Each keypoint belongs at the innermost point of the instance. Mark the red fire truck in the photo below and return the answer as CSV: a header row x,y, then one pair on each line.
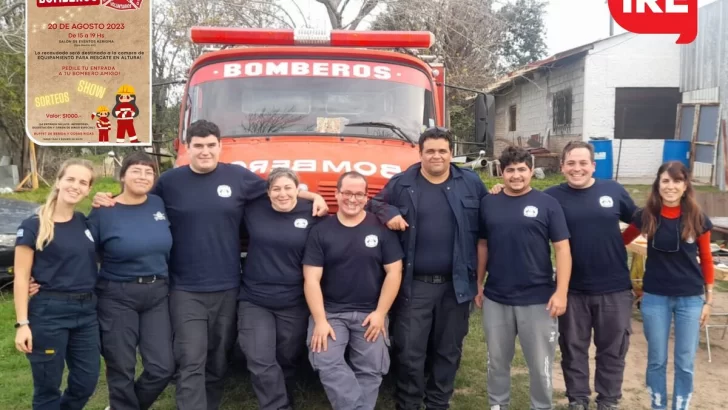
x,y
320,102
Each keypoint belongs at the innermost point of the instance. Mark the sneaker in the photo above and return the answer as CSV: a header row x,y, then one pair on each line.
x,y
578,406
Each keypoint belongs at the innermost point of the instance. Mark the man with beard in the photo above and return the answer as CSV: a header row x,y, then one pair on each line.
x,y
352,269
520,296
435,204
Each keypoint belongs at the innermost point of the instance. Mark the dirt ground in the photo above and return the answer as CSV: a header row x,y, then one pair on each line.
x,y
710,378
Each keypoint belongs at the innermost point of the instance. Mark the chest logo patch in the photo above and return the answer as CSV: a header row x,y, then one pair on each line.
x,y
159,216
371,241
20,233
88,235
224,191
606,201
300,223
690,240
530,211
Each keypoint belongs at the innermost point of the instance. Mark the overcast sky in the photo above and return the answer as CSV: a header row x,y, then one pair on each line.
x,y
569,23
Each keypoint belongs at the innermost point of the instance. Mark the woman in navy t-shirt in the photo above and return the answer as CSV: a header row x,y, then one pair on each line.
x,y
59,325
272,310
134,241
675,284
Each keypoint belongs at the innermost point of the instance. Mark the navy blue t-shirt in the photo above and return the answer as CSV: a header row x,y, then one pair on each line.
x,y
68,262
134,240
205,212
273,273
435,234
518,230
353,259
599,257
672,267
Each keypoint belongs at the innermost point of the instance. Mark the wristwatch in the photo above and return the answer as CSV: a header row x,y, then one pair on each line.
x,y
22,323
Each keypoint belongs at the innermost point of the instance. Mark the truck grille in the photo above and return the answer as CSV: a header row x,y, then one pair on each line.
x,y
327,189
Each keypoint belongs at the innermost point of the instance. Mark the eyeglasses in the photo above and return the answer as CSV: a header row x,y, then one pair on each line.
x,y
358,196
666,244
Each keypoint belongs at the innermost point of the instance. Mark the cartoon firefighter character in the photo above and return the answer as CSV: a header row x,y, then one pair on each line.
x,y
102,123
125,111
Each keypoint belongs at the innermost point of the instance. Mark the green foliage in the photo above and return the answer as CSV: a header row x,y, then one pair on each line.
x,y
39,195
523,39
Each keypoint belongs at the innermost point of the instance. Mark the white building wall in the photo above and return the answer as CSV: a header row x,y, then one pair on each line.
x,y
534,111
628,60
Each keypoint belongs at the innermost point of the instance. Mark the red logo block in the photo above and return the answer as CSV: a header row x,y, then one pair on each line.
x,y
658,17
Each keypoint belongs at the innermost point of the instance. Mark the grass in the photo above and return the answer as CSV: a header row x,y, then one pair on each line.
x,y
470,384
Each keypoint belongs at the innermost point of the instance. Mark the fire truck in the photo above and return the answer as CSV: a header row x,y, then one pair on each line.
x,y
320,102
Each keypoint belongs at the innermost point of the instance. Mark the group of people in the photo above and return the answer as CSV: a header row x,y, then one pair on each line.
x,y
393,274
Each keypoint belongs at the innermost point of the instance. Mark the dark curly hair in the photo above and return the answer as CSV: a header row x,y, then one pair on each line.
x,y
515,155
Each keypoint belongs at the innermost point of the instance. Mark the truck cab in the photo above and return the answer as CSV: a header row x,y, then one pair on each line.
x,y
319,102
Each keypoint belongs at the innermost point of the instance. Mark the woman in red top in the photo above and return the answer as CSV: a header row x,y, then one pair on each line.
x,y
675,285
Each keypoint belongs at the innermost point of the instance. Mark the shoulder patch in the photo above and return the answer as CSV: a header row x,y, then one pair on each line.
x,y
20,233
88,235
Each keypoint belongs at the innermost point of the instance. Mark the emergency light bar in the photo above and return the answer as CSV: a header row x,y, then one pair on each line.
x,y
311,37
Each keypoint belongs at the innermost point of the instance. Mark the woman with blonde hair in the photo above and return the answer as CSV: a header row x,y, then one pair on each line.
x,y
675,285
59,325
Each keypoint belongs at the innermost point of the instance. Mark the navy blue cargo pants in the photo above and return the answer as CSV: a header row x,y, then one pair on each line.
x,y
272,341
135,314
65,331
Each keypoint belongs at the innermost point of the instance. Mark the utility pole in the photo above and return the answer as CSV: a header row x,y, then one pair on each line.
x,y
611,19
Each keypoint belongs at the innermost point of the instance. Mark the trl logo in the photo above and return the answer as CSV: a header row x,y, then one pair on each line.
x,y
658,17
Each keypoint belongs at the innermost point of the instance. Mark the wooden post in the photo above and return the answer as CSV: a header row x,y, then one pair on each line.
x,y
33,167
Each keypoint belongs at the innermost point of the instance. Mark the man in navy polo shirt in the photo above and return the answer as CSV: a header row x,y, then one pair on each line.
x,y
520,297
205,203
352,269
436,205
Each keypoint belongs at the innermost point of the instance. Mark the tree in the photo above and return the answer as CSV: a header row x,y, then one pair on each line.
x,y
467,34
523,37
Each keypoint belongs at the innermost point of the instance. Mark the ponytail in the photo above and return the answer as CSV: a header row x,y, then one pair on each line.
x,y
45,218
45,211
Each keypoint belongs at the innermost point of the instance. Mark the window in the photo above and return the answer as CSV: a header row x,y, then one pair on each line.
x,y
645,113
562,111
512,118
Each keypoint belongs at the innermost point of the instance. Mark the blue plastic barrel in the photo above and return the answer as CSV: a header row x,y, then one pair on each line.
x,y
603,158
676,150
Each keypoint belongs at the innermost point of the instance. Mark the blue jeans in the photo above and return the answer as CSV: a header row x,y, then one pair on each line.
x,y
657,315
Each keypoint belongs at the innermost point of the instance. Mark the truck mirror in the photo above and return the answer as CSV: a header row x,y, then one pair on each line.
x,y
481,119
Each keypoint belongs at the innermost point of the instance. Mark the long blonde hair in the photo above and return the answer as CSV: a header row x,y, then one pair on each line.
x,y
45,211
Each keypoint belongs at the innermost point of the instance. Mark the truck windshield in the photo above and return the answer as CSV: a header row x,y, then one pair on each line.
x,y
304,97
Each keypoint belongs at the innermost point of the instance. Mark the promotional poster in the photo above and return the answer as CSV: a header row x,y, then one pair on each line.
x,y
88,65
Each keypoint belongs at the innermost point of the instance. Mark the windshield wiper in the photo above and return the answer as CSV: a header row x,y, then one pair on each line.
x,y
398,131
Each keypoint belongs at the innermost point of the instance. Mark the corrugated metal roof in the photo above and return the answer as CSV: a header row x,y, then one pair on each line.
x,y
542,64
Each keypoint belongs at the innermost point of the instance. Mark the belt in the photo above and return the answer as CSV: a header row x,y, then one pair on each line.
x,y
66,295
147,279
433,278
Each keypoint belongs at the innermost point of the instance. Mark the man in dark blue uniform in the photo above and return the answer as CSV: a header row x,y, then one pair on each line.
x,y
205,203
353,269
436,205
521,297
